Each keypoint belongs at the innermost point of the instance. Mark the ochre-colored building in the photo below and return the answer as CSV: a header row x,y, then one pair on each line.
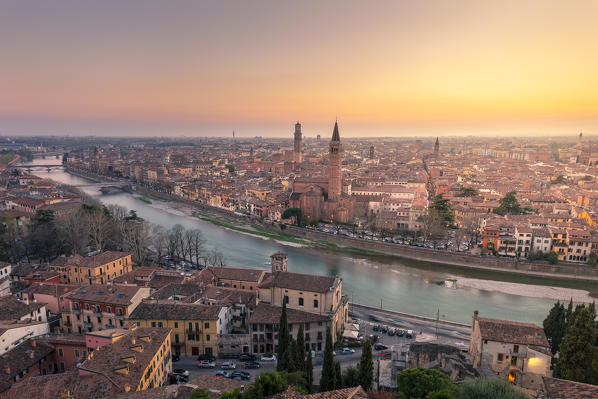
x,y
97,269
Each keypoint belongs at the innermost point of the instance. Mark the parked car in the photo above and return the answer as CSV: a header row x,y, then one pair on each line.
x,y
268,357
348,351
178,379
222,374
391,331
206,364
181,372
242,375
229,365
380,347
209,358
373,337
252,365
246,358
400,332
376,327
409,334
384,329
175,358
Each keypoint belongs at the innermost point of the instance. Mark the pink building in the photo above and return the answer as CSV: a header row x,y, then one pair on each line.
x,y
69,350
54,295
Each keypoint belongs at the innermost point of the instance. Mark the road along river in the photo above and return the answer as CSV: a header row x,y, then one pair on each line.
x,y
398,284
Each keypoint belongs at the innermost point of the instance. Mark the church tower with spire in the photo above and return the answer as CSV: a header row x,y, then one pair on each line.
x,y
436,148
335,176
298,149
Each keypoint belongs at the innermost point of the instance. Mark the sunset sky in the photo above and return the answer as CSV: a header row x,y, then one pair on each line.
x,y
392,68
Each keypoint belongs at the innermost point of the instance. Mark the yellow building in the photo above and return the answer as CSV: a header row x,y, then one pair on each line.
x,y
138,361
97,269
195,327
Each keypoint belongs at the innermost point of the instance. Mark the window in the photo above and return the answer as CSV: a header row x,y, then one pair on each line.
x,y
516,348
307,326
60,353
176,338
190,326
87,306
61,366
500,357
300,301
153,324
160,324
315,303
286,299
176,324
206,324
109,309
138,324
196,326
207,337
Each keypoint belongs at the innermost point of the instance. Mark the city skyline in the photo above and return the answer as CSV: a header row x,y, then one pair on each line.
x,y
204,69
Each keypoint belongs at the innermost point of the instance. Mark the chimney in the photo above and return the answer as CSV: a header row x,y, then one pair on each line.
x,y
33,343
32,354
7,370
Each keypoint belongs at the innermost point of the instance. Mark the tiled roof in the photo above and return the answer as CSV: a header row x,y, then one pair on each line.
x,y
269,314
109,358
237,273
96,260
512,332
69,385
168,310
301,282
220,385
13,309
346,393
181,290
565,389
24,356
113,294
229,296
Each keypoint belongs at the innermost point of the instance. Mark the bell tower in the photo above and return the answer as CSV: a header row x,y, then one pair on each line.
x,y
335,176
298,150
278,261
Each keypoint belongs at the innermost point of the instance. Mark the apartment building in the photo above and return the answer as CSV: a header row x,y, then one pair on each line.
x,y
194,327
101,268
98,307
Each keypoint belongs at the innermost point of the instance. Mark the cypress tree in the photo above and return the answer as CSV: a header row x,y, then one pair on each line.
x,y
338,376
300,358
366,366
555,326
327,382
578,349
283,340
292,367
309,371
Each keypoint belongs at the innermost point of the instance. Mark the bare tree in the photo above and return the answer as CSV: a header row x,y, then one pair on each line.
x,y
74,233
101,228
137,239
431,223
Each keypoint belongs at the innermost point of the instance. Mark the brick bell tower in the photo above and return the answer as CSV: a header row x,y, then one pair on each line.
x,y
298,149
335,174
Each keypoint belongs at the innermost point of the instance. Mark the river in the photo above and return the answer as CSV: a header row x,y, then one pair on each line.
x,y
397,284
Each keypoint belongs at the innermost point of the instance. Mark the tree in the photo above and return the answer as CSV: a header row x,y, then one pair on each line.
x,y
431,224
283,353
443,207
236,394
351,377
292,212
489,388
327,382
467,192
366,366
442,394
292,355
338,375
508,205
578,348
309,371
200,394
300,354
555,325
266,384
419,383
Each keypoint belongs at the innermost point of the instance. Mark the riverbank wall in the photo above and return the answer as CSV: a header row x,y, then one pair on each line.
x,y
490,263
409,316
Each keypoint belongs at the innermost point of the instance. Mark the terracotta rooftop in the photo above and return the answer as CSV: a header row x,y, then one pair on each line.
x,y
512,332
109,358
565,389
113,294
186,290
301,282
13,309
216,384
237,273
64,385
269,314
22,357
168,310
95,260
346,393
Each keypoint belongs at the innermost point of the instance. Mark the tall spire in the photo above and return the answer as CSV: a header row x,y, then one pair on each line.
x,y
335,135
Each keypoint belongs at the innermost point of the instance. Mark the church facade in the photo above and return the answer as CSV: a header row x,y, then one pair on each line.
x,y
322,198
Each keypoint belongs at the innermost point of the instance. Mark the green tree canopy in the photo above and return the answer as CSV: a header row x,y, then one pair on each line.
x,y
419,383
555,325
489,388
200,394
351,377
327,380
284,341
467,192
578,348
443,207
366,366
508,205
